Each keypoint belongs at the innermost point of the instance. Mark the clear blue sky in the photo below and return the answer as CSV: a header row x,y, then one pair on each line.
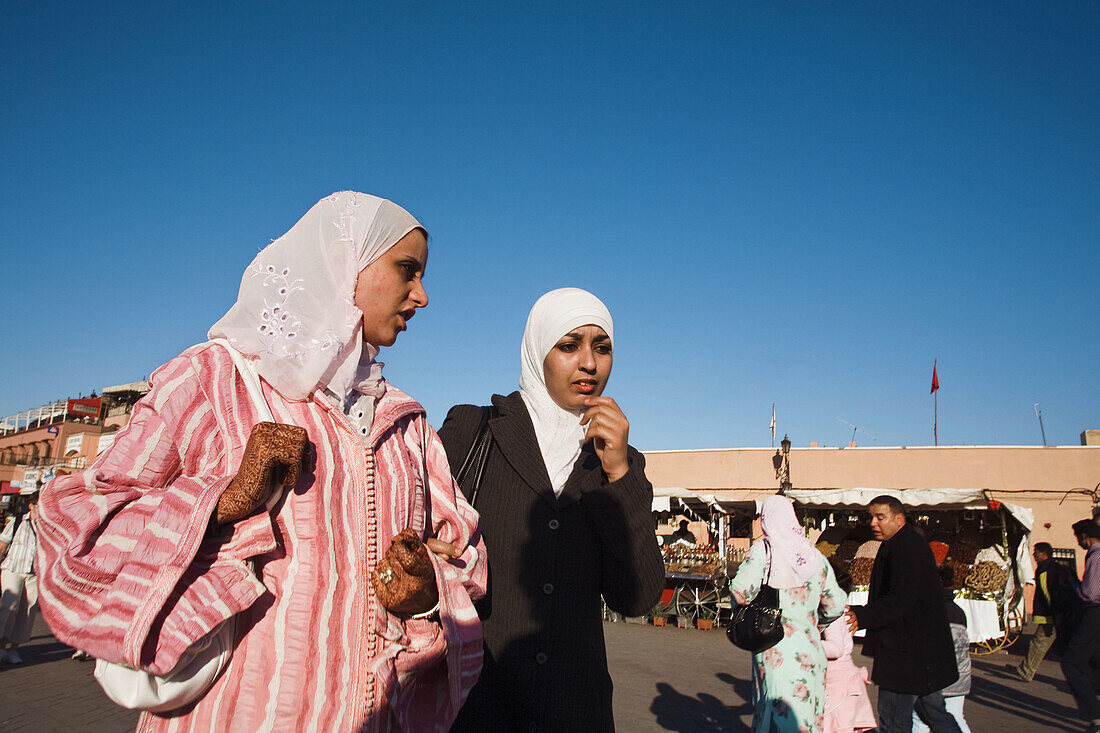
x,y
798,203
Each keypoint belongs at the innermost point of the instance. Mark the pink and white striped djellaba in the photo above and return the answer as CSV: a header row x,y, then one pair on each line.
x,y
131,571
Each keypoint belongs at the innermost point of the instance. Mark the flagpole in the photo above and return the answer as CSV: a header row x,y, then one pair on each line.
x,y
935,405
773,425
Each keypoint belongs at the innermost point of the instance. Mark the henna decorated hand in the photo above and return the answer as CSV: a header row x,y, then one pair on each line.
x,y
404,580
274,453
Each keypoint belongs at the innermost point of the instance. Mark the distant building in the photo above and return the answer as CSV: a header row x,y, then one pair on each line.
x,y
61,437
1058,484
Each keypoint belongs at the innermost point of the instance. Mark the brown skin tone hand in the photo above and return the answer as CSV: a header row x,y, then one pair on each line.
x,y
442,550
608,430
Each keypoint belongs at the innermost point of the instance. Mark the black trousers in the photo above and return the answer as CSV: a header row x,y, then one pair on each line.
x,y
895,712
1082,649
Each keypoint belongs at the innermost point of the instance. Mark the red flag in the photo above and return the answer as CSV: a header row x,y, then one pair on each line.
x,y
935,380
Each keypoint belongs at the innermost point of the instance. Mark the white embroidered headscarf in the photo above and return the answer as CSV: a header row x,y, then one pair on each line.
x,y
559,431
794,559
295,313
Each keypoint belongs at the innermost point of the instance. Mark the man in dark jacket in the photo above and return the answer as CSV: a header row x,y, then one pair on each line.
x,y
1053,582
1083,647
907,629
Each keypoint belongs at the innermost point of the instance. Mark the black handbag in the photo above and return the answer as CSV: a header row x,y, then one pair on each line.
x,y
477,456
758,625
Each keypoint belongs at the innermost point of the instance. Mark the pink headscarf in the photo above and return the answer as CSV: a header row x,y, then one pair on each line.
x,y
793,559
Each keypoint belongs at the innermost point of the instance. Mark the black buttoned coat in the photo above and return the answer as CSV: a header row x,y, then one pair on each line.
x,y
907,630
550,560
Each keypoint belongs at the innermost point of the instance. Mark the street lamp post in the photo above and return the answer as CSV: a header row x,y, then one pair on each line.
x,y
782,463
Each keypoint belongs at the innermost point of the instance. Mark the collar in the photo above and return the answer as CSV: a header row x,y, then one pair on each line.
x,y
514,433
393,406
904,529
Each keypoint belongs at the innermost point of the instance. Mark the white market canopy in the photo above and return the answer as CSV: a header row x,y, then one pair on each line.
x,y
723,501
744,501
931,498
741,501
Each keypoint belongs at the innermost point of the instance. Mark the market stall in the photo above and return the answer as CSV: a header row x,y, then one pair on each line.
x,y
697,577
696,587
985,542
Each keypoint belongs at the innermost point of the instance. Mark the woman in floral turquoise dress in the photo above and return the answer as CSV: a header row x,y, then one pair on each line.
x,y
788,692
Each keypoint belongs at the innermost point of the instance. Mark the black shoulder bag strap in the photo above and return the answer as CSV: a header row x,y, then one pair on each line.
x,y
768,556
477,456
768,595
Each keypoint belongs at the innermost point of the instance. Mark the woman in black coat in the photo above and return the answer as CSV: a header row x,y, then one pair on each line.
x,y
566,517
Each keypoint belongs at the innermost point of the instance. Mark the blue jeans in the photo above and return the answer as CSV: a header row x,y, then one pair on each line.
x,y
895,712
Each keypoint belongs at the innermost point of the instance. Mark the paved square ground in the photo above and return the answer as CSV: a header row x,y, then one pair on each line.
x,y
669,679
666,679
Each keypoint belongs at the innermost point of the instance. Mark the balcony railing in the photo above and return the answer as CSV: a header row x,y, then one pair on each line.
x,y
71,462
9,428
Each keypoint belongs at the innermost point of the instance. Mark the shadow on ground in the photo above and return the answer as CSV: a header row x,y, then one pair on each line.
x,y
987,690
43,652
702,713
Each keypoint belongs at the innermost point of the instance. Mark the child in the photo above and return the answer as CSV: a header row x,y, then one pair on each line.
x,y
847,707
954,695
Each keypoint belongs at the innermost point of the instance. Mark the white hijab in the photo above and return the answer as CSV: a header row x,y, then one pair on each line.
x,y
794,559
295,313
559,432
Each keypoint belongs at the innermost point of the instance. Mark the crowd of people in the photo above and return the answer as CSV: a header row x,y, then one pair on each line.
x,y
916,633
808,680
278,539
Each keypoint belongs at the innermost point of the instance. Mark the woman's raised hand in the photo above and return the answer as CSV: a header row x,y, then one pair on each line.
x,y
608,429
274,453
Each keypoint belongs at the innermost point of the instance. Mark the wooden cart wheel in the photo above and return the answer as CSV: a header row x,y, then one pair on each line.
x,y
1014,624
678,607
986,646
697,600
666,605
608,614
726,604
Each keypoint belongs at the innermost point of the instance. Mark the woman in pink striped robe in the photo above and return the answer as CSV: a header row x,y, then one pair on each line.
x,y
135,570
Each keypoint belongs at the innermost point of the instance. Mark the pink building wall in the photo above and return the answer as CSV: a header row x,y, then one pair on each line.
x,y
1058,483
